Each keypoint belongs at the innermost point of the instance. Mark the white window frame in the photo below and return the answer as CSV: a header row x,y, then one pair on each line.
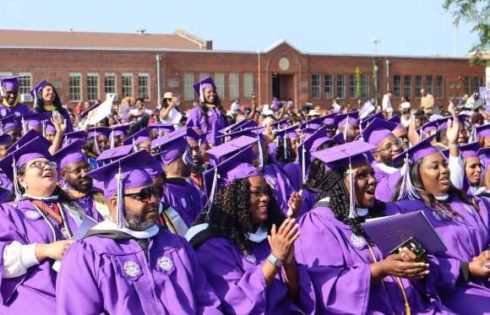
x,y
248,84
114,76
95,75
189,93
220,82
234,87
316,89
80,84
25,74
128,75
148,87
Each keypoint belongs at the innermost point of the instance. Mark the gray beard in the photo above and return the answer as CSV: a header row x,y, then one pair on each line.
x,y
137,223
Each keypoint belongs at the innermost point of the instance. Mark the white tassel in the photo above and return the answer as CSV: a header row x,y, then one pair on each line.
x,y
135,147
303,164
352,193
113,141
346,128
201,94
120,199
24,126
284,143
407,190
18,194
211,194
96,144
261,153
473,136
43,127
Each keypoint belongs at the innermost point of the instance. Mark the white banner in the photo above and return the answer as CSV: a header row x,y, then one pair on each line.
x,y
102,111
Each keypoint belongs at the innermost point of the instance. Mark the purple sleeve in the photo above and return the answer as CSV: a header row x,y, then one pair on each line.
x,y
340,288
241,292
444,274
307,298
73,296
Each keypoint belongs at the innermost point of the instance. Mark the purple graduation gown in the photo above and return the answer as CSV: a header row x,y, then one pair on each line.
x,y
293,171
35,290
308,201
184,197
20,109
102,275
87,203
280,184
240,284
465,237
339,268
209,125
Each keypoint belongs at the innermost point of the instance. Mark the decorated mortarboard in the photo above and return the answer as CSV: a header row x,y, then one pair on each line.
x,y
9,83
5,139
30,135
469,150
126,173
171,147
377,131
70,154
222,151
9,123
483,131
111,155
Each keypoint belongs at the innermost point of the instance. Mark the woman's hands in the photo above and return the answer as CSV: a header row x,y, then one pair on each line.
x,y
480,265
282,240
403,264
294,204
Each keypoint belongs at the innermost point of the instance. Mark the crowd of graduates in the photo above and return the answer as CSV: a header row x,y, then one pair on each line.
x,y
253,211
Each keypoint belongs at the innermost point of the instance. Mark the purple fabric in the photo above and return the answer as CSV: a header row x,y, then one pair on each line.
x,y
184,197
241,171
209,125
10,83
88,204
280,184
339,269
308,200
386,187
465,237
239,282
19,110
36,289
293,172
94,278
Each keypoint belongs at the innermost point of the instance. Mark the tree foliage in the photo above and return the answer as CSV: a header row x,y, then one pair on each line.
x,y
476,13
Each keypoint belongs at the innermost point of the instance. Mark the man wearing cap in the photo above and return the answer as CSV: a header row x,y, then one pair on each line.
x,y
10,103
127,264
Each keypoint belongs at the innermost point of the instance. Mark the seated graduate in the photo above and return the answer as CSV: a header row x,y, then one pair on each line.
x,y
97,142
349,272
484,155
35,230
247,248
460,274
472,169
73,168
126,264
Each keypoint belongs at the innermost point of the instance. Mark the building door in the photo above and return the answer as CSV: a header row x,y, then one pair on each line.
x,y
276,86
283,86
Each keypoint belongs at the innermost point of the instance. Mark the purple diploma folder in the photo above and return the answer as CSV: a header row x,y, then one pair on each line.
x,y
391,231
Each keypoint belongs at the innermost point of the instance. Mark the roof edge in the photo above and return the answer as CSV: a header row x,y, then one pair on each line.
x,y
203,44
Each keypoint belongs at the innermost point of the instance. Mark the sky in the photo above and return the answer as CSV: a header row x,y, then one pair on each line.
x,y
410,27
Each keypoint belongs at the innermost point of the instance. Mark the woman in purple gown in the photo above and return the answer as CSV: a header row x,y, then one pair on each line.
x,y
47,102
461,274
348,271
34,232
248,255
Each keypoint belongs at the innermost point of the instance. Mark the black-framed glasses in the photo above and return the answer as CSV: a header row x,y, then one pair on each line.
x,y
42,164
145,194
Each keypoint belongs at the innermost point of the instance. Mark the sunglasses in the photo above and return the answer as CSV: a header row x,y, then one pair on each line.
x,y
145,194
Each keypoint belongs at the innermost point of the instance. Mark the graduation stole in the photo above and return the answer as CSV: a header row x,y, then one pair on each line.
x,y
53,212
5,103
49,108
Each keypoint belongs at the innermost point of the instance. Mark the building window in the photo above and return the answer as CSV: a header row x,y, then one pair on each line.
x,y
397,85
75,87
365,86
340,86
418,85
110,83
315,86
248,84
25,80
328,87
466,85
92,86
352,86
429,84
439,87
188,86
127,84
144,86
219,81
234,85
407,86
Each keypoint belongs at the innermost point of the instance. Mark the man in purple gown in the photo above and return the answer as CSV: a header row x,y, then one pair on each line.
x,y
10,103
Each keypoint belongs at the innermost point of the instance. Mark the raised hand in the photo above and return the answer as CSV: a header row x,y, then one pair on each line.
x,y
294,204
453,127
282,240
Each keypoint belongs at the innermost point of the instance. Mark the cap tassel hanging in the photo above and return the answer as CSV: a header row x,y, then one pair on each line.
x,y
407,190
211,194
261,153
201,94
96,144
303,164
120,199
135,147
43,126
346,128
284,143
352,193
24,126
473,136
18,193
1,129
113,140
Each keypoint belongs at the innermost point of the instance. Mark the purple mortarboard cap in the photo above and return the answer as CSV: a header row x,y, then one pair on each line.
x,y
133,173
483,131
304,150
419,150
99,131
33,149
336,140
138,137
73,136
377,131
341,156
395,119
275,104
469,150
484,154
49,128
289,132
329,120
5,139
204,84
430,126
9,122
249,132
222,151
242,124
33,120
172,146
370,118
153,168
162,129
352,118
69,155
38,88
280,123
111,155
31,134
10,83
120,130
193,133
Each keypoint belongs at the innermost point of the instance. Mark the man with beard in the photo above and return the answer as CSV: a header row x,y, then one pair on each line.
x,y
127,264
10,103
179,192
73,168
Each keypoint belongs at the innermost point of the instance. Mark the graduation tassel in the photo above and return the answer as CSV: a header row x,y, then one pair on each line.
x,y
346,128
96,144
24,126
201,94
120,199
261,153
352,194
303,164
18,194
407,189
211,194
1,129
284,143
473,137
135,148
113,140
43,127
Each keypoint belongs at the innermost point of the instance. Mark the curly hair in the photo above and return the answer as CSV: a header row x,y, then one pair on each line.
x,y
230,215
441,209
330,184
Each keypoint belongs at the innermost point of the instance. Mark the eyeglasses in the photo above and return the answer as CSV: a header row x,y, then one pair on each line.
x,y
397,143
42,164
145,194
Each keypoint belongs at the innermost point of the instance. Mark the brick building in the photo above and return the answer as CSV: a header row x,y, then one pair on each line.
x,y
87,65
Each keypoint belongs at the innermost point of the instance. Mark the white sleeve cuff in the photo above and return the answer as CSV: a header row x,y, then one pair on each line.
x,y
28,255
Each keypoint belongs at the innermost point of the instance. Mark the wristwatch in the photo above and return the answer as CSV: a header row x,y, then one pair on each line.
x,y
274,260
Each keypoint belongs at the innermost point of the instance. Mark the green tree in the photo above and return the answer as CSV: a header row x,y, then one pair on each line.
x,y
476,13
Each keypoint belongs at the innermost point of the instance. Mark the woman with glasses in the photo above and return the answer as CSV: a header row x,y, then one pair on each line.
x,y
247,250
35,231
